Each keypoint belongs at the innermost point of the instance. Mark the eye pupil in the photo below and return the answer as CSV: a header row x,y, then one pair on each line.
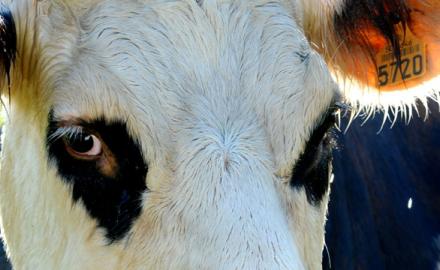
x,y
81,143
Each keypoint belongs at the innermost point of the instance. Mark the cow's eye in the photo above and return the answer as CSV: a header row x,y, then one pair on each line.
x,y
104,168
83,145
313,169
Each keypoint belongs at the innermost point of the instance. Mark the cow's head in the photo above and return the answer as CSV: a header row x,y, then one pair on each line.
x,y
190,134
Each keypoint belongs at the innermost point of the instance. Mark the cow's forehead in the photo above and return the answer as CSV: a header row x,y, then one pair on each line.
x,y
158,65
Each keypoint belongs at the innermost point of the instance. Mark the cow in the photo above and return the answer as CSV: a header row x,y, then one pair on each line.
x,y
192,134
384,204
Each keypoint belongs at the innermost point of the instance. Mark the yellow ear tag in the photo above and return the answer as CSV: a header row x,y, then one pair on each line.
x,y
413,62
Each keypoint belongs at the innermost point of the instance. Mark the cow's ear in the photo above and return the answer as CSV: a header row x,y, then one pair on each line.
x,y
8,44
383,52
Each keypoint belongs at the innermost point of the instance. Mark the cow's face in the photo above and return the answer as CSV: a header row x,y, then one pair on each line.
x,y
168,135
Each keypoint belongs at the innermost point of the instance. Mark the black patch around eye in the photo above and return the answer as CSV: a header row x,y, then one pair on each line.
x,y
312,170
8,41
114,202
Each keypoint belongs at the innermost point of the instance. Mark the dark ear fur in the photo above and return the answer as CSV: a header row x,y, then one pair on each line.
x,y
385,46
8,41
381,16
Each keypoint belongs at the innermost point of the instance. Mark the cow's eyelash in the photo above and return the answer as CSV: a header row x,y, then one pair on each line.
x,y
324,125
70,132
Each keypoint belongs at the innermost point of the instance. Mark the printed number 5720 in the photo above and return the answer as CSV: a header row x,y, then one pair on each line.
x,y
391,73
